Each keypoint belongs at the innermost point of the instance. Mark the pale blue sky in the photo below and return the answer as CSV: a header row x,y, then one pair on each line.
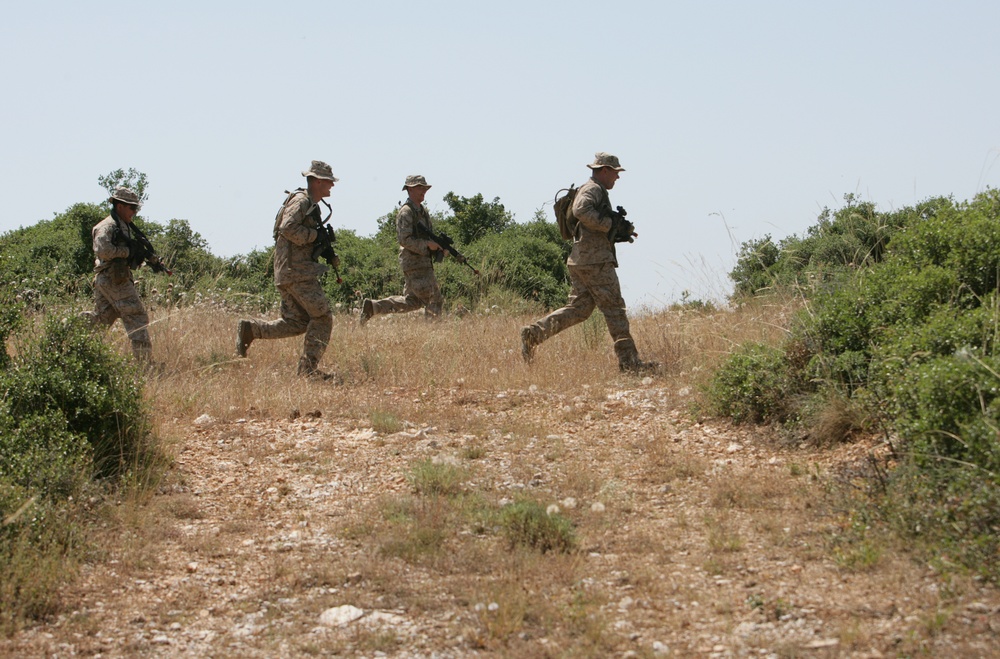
x,y
733,119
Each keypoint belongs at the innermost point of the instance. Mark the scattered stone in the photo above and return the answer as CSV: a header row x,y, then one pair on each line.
x,y
204,420
339,616
597,507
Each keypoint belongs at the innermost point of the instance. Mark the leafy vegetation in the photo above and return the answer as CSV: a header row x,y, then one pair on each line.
x,y
72,417
901,318
521,263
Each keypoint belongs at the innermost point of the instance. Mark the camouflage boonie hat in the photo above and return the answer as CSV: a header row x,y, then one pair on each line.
x,y
415,180
602,159
319,169
125,196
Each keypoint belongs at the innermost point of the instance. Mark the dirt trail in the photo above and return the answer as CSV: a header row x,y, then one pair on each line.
x,y
269,539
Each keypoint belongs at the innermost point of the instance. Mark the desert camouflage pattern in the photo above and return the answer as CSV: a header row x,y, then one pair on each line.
x,y
295,230
592,286
105,250
115,295
304,310
592,209
124,195
415,180
420,290
413,252
319,169
604,159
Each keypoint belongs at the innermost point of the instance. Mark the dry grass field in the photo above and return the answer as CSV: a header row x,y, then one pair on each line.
x,y
443,499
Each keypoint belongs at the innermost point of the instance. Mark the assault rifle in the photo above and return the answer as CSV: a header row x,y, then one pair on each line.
x,y
622,231
140,250
447,244
325,242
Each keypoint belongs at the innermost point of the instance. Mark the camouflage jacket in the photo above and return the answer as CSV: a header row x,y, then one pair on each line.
x,y
413,251
295,230
108,244
592,209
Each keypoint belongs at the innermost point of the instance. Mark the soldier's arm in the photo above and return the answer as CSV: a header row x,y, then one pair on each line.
x,y
405,219
293,226
589,209
104,247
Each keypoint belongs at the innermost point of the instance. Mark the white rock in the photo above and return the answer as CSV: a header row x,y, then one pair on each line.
x,y
204,419
339,616
597,507
660,647
569,503
553,509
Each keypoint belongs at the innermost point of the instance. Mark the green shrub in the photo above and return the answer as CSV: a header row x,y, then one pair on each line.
x,y
752,385
72,409
67,370
526,523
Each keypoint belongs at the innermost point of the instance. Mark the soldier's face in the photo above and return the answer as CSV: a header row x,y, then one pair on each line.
x,y
607,176
321,187
125,211
417,193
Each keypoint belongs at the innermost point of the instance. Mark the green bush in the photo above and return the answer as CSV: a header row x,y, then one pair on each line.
x,y
72,411
69,371
906,330
752,385
526,523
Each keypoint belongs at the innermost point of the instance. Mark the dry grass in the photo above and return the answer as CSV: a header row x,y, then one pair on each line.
x,y
396,354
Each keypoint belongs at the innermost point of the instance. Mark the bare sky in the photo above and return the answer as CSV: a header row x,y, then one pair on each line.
x,y
732,119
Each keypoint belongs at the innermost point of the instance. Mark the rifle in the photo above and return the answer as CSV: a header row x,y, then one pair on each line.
x,y
325,242
446,242
141,250
622,231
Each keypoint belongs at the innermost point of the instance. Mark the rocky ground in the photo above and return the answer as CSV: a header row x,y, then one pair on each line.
x,y
274,537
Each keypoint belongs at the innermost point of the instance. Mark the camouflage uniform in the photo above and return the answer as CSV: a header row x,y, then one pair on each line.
x,y
304,305
593,278
420,288
115,295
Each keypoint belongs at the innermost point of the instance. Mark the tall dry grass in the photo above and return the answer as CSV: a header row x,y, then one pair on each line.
x,y
392,354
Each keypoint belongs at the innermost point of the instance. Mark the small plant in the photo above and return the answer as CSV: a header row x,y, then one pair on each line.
x,y
385,422
526,523
436,478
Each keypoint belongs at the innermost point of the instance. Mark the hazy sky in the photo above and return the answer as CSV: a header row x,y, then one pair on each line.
x,y
732,119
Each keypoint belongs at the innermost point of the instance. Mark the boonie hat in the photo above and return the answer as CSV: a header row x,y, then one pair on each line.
x,y
125,196
415,180
602,159
319,169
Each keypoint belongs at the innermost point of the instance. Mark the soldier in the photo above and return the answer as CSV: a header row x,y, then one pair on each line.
x,y
304,306
416,258
592,264
115,254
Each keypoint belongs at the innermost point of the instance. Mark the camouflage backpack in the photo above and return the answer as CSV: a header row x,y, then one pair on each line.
x,y
564,212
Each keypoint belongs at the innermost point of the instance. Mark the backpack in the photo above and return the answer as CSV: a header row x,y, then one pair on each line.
x,y
564,212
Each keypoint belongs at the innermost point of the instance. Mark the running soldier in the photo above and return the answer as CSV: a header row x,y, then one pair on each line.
x,y
592,273
416,258
304,306
116,253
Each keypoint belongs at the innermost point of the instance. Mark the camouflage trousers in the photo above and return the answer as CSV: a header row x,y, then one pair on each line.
x,y
419,290
304,310
115,297
591,286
